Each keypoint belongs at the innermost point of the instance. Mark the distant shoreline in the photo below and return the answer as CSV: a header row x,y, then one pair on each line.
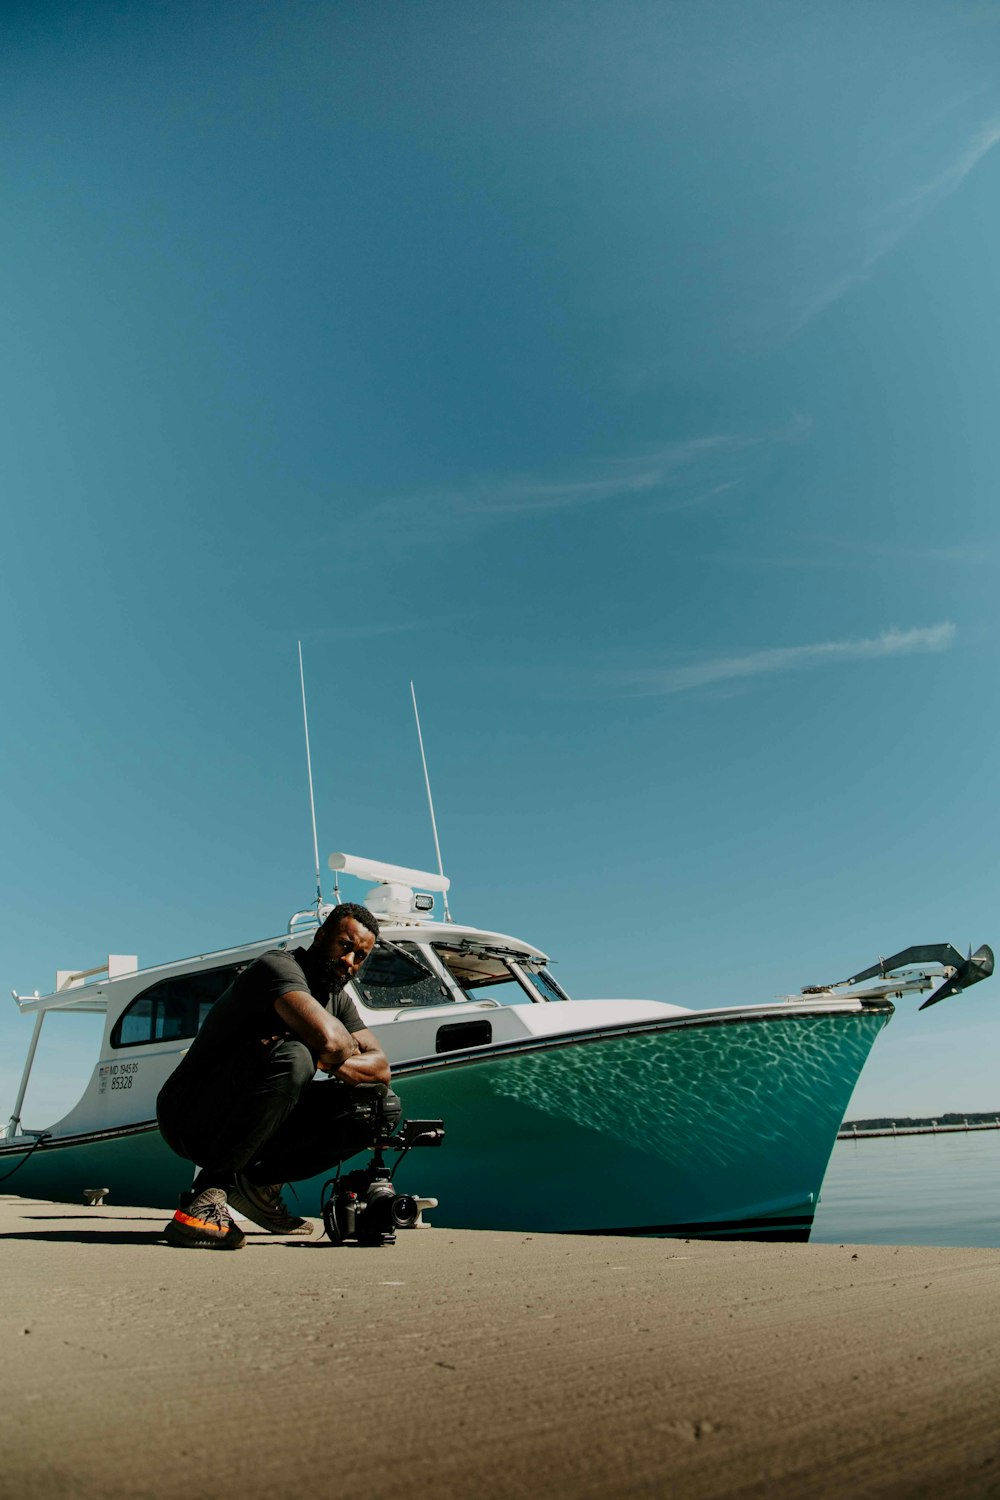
x,y
928,1122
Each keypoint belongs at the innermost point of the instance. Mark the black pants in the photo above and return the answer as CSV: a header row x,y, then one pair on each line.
x,y
264,1115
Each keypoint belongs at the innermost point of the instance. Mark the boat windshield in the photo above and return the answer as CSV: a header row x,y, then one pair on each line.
x,y
546,985
395,977
486,973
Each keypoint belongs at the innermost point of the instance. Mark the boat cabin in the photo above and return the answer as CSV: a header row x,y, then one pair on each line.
x,y
420,968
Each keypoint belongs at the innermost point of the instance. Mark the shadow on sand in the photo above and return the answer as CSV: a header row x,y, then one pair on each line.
x,y
153,1236
89,1236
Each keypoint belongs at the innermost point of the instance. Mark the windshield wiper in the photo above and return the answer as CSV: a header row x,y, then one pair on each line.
x,y
496,950
408,958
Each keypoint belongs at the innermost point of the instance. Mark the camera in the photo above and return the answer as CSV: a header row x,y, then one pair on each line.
x,y
363,1206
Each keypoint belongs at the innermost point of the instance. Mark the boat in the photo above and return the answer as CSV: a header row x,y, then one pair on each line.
x,y
607,1116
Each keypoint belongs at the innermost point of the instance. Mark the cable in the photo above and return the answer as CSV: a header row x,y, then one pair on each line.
x,y
45,1135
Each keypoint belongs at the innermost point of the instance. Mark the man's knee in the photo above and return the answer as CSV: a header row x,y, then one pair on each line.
x,y
300,1063
288,1067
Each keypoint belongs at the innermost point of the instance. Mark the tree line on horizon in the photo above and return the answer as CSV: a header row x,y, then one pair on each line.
x,y
971,1117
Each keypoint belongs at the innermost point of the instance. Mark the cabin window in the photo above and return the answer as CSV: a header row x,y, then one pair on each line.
x,y
392,977
499,974
483,976
173,1009
542,981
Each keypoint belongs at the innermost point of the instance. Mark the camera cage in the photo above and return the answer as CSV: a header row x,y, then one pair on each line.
x,y
345,1199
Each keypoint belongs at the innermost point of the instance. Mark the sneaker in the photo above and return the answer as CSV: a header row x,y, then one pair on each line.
x,y
204,1223
265,1206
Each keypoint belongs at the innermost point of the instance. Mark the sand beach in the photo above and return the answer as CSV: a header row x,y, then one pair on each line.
x,y
460,1363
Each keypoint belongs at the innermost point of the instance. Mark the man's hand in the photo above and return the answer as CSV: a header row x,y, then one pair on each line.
x,y
353,1059
328,1039
369,1063
332,1059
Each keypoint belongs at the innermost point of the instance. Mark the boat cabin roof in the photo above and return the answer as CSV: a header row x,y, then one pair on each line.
x,y
92,989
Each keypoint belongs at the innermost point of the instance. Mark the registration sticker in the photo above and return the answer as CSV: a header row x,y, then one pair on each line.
x,y
120,1076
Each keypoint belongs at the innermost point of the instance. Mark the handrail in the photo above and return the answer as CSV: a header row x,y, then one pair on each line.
x,y
301,919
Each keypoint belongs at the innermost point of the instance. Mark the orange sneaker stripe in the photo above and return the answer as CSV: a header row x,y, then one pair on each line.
x,y
183,1218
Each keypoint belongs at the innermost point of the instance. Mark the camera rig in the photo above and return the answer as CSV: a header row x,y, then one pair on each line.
x,y
363,1206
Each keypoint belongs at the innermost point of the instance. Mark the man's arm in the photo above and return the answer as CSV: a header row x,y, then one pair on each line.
x,y
368,1065
328,1039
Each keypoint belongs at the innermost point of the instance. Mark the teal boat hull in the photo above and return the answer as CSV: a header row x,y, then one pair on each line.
x,y
714,1129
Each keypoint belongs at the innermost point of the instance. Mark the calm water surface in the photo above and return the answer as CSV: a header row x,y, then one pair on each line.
x,y
913,1190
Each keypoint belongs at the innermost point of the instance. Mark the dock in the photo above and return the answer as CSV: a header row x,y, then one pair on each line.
x,y
856,1133
496,1366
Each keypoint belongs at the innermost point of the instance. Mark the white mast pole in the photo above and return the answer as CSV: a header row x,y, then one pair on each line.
x,y
14,1128
312,799
430,800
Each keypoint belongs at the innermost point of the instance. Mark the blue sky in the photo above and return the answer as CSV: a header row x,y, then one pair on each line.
x,y
625,374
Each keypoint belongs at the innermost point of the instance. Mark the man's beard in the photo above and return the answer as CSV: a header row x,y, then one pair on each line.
x,y
325,976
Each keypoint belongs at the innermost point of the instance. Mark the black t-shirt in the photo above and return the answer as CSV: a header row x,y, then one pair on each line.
x,y
244,1014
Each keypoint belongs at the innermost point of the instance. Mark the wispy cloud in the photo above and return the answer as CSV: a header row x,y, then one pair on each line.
x,y
649,682
678,475
689,502
523,494
954,175
903,214
615,479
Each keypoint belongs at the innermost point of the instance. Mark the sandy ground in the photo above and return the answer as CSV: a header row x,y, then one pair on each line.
x,y
489,1365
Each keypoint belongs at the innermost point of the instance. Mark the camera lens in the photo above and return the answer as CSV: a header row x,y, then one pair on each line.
x,y
378,1207
404,1211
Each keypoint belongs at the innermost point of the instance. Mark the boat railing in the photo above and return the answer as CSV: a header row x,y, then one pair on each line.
x,y
116,966
299,921
64,997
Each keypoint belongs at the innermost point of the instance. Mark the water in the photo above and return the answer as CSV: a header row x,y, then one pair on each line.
x,y
913,1190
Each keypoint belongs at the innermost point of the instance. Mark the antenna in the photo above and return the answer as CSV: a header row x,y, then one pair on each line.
x,y
430,800
312,800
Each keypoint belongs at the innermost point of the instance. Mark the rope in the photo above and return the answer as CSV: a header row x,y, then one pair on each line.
x,y
30,1152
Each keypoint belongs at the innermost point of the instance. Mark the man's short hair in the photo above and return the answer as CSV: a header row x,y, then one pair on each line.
x,y
348,910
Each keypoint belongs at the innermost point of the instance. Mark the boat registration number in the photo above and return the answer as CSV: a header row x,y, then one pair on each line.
x,y
120,1075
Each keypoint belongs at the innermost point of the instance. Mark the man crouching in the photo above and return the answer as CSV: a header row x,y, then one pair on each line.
x,y
244,1103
